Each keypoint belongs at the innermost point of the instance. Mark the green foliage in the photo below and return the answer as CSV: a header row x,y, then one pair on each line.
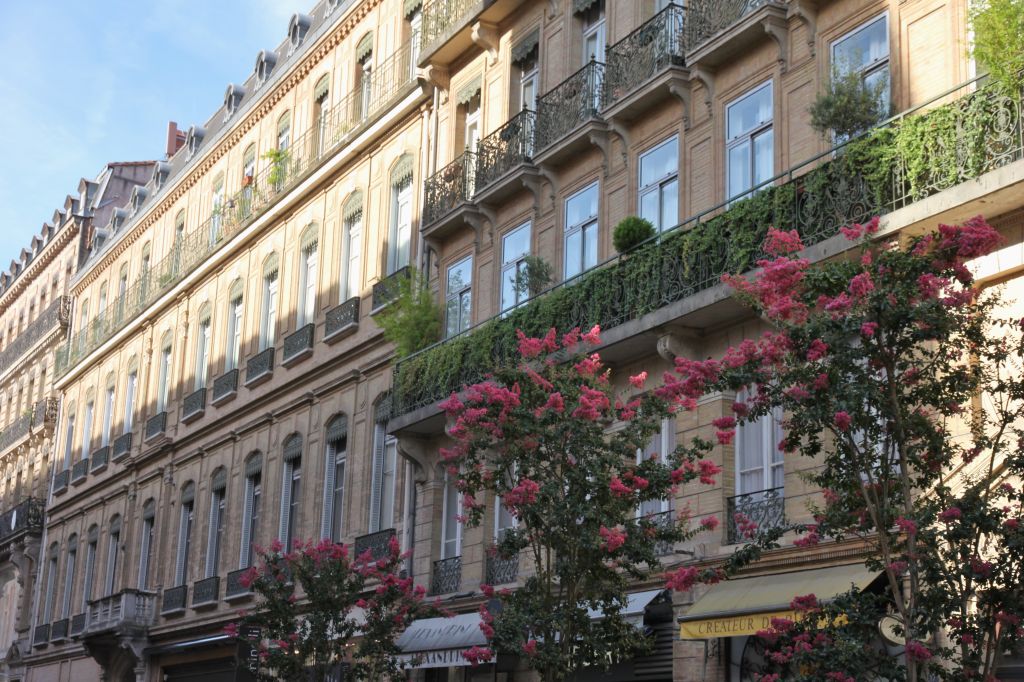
x,y
999,39
412,320
849,105
631,232
278,165
535,277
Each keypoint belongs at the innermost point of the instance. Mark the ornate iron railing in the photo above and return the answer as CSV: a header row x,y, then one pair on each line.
x,y
206,591
816,198
748,514
226,384
60,480
569,105
299,342
377,543
156,425
500,570
342,318
706,18
193,405
391,78
128,609
41,635
662,519
386,290
175,599
15,431
440,17
77,624
449,187
507,148
24,517
44,413
122,446
58,313
658,44
447,576
260,365
59,630
99,458
80,470
234,587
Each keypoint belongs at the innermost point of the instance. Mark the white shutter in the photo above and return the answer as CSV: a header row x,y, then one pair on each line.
x,y
377,476
179,565
286,504
144,556
328,517
211,540
243,554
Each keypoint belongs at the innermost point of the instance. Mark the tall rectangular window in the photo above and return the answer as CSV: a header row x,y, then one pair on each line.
x,y
659,185
459,297
581,227
146,551
202,354
129,400
351,257
382,494
400,234
217,211
515,247
451,531
865,50
529,77
51,586
307,286
215,531
365,74
90,572
69,438
334,490
163,386
268,324
750,146
291,499
594,39
759,463
415,27
184,542
108,416
113,548
69,580
234,335
250,518
90,411
661,444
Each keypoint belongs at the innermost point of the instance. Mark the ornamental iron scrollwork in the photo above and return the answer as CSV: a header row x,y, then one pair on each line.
x,y
569,105
449,187
447,576
655,46
506,149
751,513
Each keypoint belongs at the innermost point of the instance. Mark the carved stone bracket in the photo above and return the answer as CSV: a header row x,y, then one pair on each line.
x,y
806,11
599,138
623,133
707,79
415,450
681,91
437,76
674,343
777,29
485,35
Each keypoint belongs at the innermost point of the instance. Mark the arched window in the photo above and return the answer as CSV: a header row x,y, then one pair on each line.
x,y
336,438
385,469
291,489
185,526
268,310
52,558
163,385
309,267
113,552
364,75
215,529
69,576
400,225
91,550
203,339
233,337
284,131
321,95
147,542
351,276
251,507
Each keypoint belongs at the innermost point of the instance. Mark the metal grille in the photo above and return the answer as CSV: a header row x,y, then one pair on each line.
x,y
175,599
60,480
206,591
447,576
500,571
706,18
58,313
77,624
449,187
386,290
504,150
194,404
44,413
59,630
17,430
156,425
259,365
225,385
299,342
24,517
644,53
234,587
377,543
80,470
41,635
100,457
122,445
342,317
747,515
570,104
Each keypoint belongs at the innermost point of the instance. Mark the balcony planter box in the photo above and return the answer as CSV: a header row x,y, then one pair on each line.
x,y
225,387
205,593
246,180
299,345
174,601
235,591
59,630
99,459
79,471
41,635
60,481
342,320
122,446
156,426
194,406
259,368
77,625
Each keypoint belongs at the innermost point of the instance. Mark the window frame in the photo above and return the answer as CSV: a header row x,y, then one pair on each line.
x,y
458,296
592,221
749,137
509,266
658,184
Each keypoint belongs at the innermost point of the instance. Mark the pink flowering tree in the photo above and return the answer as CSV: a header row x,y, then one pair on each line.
x,y
318,608
903,385
558,444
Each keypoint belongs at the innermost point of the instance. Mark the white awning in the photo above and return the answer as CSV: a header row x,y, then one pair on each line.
x,y
636,605
439,642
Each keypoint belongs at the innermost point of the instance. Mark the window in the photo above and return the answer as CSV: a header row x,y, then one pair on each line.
x,y
90,565
659,185
185,523
382,494
251,508
321,92
415,23
69,576
661,444
309,263
291,490
113,548
351,256
529,78
234,335
147,542
515,247
401,226
268,323
69,437
334,483
866,51
83,323
248,177
51,582
661,4
471,126
749,141
594,33
215,531
103,299
451,530
284,131
144,273
163,378
122,290
217,210
108,413
364,77
581,231
459,297
129,400
202,353
759,465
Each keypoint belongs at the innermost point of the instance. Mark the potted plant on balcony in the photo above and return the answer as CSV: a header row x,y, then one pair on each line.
x,y
849,105
247,180
278,159
998,44
534,278
631,232
412,321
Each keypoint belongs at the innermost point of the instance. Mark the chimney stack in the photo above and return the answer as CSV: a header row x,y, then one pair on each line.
x,y
175,139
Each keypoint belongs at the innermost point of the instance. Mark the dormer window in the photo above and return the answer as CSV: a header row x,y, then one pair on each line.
x,y
265,62
160,172
138,198
297,28
58,217
117,218
332,5
194,139
232,98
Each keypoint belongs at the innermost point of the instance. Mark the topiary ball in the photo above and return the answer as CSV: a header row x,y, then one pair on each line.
x,y
630,232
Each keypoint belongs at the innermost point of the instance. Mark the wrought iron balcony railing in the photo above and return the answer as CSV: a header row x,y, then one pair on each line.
x,y
447,188
440,17
815,197
234,589
447,576
390,79
175,600
41,635
748,514
99,459
194,405
79,471
386,290
260,367
15,431
504,150
298,344
61,480
706,18
569,105
24,517
206,591
377,543
342,319
500,570
156,425
661,519
58,313
125,610
122,446
44,413
656,45
225,385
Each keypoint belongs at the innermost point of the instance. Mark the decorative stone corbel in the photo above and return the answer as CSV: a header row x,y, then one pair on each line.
x,y
599,138
806,11
483,227
437,76
485,35
552,179
681,91
779,32
552,9
533,184
415,450
707,79
623,134
675,343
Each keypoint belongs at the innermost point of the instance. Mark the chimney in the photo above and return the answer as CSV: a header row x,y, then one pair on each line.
x,y
175,139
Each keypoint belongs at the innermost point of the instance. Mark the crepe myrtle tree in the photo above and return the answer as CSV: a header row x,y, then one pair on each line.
x,y
352,610
559,445
898,377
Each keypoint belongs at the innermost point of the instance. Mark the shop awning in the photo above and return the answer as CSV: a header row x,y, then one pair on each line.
x,y
742,607
636,606
439,642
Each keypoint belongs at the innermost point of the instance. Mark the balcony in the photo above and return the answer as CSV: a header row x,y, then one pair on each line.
x,y
156,426
24,518
58,314
77,625
225,387
447,576
342,320
193,406
451,27
569,115
646,66
99,459
41,635
718,29
206,592
79,471
447,196
500,570
378,544
504,159
16,431
658,520
260,367
122,446
392,80
387,289
128,611
44,414
652,284
59,630
60,481
234,589
298,345
749,514
174,601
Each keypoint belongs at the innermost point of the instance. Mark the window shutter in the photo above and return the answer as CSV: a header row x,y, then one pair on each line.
x,y
220,480
211,539
292,448
332,453
179,564
401,173
243,555
365,47
378,473
254,465
286,502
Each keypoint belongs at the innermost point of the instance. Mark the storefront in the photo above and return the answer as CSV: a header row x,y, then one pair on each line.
x,y
207,659
432,648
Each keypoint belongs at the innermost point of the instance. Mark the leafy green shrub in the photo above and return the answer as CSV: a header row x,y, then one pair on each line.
x,y
412,321
849,105
534,278
999,39
278,159
631,231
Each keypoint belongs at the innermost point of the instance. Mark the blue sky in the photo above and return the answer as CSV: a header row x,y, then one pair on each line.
x,y
89,82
